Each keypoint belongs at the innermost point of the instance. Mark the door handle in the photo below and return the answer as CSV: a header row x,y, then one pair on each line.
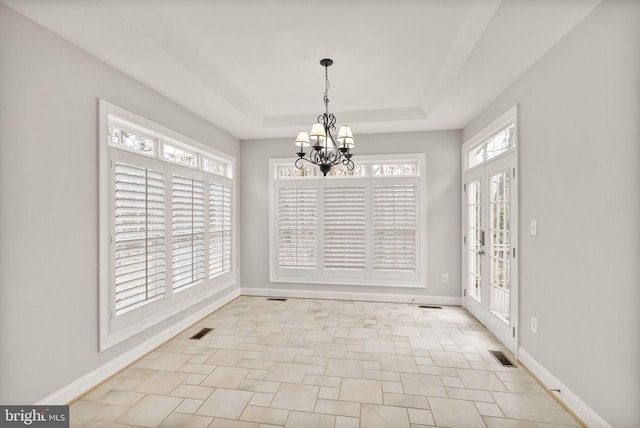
x,y
481,252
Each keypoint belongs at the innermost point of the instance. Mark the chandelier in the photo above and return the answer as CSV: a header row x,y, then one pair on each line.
x,y
325,150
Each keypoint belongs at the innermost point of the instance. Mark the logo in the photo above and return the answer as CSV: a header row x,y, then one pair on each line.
x,y
34,416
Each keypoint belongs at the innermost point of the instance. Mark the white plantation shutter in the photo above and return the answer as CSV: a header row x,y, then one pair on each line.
x,y
139,236
297,227
367,229
188,221
344,223
394,221
219,229
162,229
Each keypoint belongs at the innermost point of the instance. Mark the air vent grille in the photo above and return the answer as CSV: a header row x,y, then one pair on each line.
x,y
502,359
199,335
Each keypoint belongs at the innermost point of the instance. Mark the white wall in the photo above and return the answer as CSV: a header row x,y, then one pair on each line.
x,y
49,92
443,213
579,176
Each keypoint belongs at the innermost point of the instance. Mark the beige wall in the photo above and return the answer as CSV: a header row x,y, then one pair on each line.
x,y
579,109
49,94
443,210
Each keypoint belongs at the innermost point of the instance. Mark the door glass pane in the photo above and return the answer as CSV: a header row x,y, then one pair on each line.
x,y
500,244
474,234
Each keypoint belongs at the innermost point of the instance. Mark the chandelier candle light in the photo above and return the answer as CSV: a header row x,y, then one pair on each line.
x,y
326,152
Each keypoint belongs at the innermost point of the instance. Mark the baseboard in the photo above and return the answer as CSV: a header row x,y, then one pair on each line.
x,y
95,377
347,295
571,400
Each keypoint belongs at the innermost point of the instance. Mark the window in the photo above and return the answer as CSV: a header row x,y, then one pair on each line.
x,y
219,229
188,251
344,222
177,155
391,168
297,226
139,243
499,143
137,142
214,166
342,171
394,225
361,227
166,223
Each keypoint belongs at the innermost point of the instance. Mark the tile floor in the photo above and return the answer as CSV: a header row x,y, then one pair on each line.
x,y
323,363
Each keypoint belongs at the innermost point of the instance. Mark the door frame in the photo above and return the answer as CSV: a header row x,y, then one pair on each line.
x,y
507,118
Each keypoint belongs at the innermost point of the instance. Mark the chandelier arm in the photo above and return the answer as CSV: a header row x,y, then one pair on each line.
x,y
349,164
316,157
299,164
325,158
319,157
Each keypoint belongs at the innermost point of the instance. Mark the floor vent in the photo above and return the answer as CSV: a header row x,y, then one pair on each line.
x,y
277,299
430,307
502,359
199,335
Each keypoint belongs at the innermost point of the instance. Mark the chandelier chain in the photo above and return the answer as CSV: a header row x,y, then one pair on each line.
x,y
326,89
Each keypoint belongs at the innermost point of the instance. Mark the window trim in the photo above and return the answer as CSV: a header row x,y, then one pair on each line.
x,y
112,331
392,281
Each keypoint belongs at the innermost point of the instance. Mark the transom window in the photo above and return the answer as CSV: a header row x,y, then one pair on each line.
x,y
497,144
135,141
214,166
180,156
360,227
167,204
406,169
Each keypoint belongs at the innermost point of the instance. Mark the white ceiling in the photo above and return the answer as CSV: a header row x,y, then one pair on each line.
x,y
252,67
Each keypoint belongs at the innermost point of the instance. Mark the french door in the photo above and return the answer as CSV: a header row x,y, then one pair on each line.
x,y
490,281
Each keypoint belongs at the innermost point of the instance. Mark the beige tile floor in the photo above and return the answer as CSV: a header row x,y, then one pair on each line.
x,y
323,363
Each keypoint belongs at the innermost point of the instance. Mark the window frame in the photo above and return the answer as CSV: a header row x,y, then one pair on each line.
x,y
340,277
115,329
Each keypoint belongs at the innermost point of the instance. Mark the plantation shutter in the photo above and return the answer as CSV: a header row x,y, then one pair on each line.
x,y
188,220
297,227
344,223
395,227
139,236
219,229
